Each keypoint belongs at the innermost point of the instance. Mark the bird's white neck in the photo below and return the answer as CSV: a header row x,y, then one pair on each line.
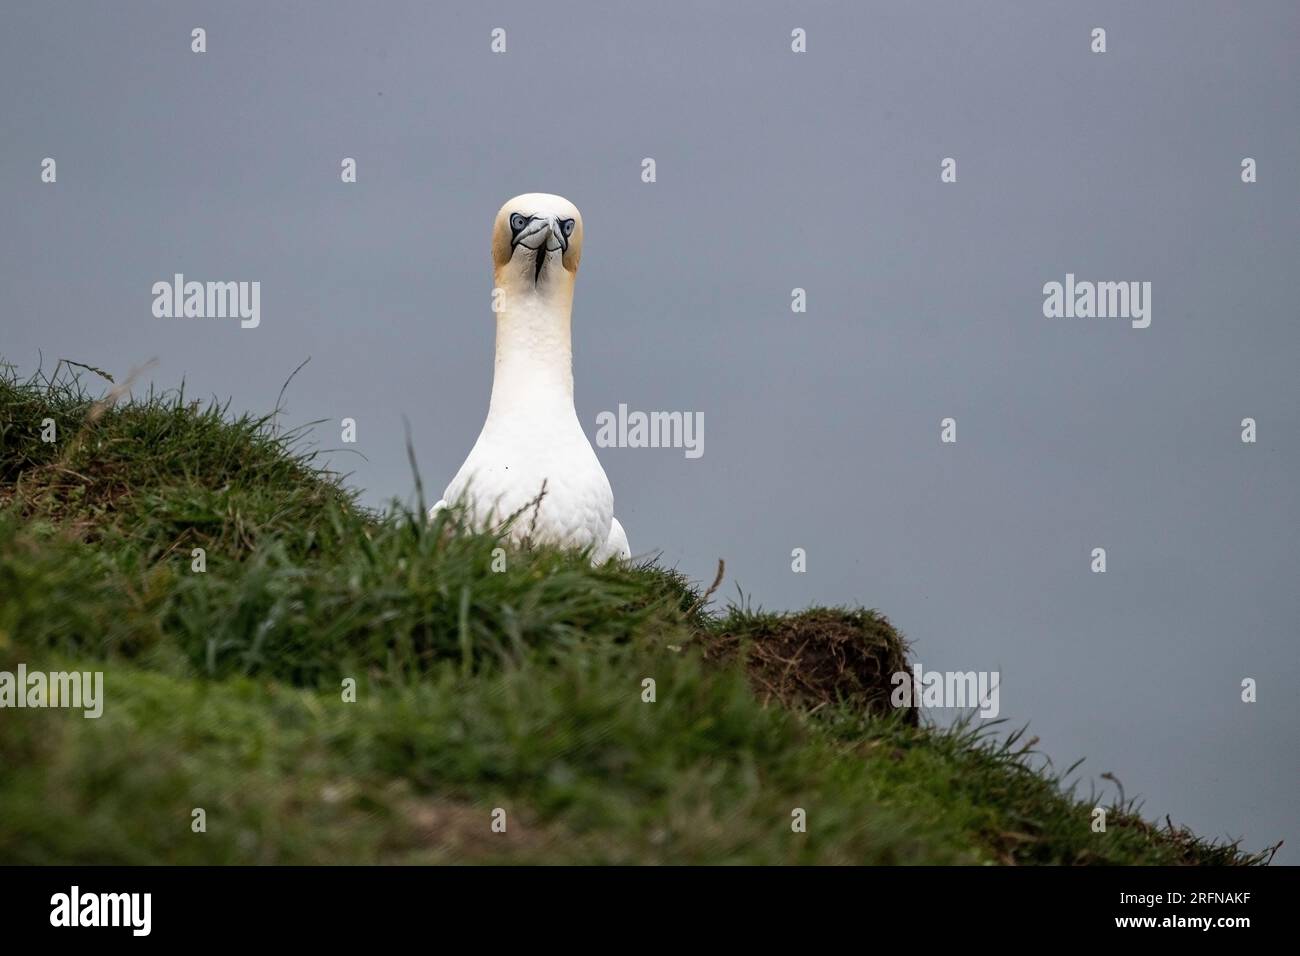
x,y
533,373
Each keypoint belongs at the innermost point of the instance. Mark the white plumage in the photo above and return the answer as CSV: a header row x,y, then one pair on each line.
x,y
532,438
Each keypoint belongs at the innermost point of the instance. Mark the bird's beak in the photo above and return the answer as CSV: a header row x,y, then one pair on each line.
x,y
543,232
543,236
556,241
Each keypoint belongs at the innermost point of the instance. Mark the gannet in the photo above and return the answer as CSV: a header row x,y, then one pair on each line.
x,y
532,439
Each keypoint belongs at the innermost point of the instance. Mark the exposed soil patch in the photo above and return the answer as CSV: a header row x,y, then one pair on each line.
x,y
816,658
458,832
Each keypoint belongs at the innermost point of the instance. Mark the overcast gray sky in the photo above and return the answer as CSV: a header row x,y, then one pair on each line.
x,y
775,170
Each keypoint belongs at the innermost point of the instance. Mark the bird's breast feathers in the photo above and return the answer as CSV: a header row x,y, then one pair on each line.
x,y
503,478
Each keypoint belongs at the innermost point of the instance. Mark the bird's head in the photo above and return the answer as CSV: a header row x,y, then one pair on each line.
x,y
537,242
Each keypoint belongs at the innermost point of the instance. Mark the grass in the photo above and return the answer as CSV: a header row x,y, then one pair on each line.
x,y
338,685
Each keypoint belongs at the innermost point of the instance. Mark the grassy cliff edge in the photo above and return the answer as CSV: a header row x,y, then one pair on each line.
x,y
342,686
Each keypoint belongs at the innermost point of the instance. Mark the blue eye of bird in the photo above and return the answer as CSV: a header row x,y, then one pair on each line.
x,y
567,226
517,222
